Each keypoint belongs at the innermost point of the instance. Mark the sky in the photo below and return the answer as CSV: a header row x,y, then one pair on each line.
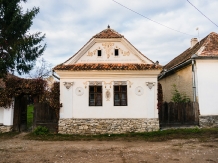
x,y
69,24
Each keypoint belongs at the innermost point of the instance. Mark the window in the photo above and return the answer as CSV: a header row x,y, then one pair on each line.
x,y
95,95
99,53
120,95
116,52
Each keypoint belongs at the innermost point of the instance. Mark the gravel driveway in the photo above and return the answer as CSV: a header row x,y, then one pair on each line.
x,y
18,150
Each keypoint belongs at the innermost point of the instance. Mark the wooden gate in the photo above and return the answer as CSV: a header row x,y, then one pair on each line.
x,y
20,114
44,115
179,114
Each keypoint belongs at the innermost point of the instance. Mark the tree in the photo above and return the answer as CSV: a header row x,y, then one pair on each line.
x,y
42,71
18,48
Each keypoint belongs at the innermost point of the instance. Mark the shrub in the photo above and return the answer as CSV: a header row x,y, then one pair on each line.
x,y
41,130
179,97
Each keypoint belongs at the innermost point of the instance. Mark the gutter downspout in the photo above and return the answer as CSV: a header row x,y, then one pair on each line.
x,y
55,75
193,76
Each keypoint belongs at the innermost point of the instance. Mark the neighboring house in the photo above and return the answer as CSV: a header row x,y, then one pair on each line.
x,y
194,72
6,115
108,86
50,81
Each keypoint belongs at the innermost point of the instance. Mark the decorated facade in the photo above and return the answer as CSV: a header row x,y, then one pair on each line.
x,y
108,86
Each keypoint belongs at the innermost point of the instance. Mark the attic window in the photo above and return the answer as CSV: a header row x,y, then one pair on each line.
x,y
116,52
99,53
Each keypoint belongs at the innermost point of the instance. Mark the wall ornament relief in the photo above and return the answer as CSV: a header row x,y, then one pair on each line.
x,y
123,83
92,83
125,53
150,84
79,91
108,47
106,84
95,82
130,83
85,83
68,84
139,91
93,52
108,95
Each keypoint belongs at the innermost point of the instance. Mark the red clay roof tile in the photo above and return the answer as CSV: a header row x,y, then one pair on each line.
x,y
107,66
108,33
209,46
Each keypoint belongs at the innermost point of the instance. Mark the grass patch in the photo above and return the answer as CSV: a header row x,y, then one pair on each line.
x,y
8,135
201,134
30,109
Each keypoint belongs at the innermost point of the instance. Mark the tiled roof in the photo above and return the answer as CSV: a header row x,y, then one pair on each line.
x,y
108,33
208,46
107,66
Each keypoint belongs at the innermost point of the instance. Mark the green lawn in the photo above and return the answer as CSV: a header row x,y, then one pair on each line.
x,y
29,115
197,133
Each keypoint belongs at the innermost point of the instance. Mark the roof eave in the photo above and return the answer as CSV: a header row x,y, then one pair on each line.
x,y
170,71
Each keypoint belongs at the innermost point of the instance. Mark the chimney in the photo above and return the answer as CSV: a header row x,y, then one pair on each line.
x,y
194,41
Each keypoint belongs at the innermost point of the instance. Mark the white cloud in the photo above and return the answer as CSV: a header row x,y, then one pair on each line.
x,y
70,24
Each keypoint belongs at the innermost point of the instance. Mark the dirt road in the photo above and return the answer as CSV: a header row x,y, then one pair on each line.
x,y
18,150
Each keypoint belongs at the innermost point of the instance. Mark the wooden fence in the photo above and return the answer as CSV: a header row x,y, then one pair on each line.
x,y
44,115
179,114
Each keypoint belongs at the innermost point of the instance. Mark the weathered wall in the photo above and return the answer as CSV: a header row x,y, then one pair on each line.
x,y
207,86
5,129
109,126
183,81
208,121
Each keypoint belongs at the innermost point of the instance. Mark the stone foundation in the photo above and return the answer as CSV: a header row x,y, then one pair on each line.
x,y
5,129
107,126
208,121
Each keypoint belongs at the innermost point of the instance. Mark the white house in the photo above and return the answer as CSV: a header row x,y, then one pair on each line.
x,y
108,86
195,73
6,115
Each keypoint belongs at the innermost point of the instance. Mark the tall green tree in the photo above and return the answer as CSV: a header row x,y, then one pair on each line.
x,y
18,48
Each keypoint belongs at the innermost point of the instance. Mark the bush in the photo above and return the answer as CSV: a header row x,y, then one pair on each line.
x,y
179,97
41,130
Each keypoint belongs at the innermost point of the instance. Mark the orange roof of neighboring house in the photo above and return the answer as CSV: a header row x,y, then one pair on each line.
x,y
207,47
107,66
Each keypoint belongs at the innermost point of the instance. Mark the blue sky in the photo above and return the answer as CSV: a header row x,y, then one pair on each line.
x,y
69,24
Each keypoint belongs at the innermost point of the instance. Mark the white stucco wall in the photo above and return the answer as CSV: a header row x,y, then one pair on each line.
x,y
7,115
207,86
1,115
74,106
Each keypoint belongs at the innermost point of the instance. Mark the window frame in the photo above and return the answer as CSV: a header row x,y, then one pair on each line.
x,y
120,93
96,93
117,52
99,50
